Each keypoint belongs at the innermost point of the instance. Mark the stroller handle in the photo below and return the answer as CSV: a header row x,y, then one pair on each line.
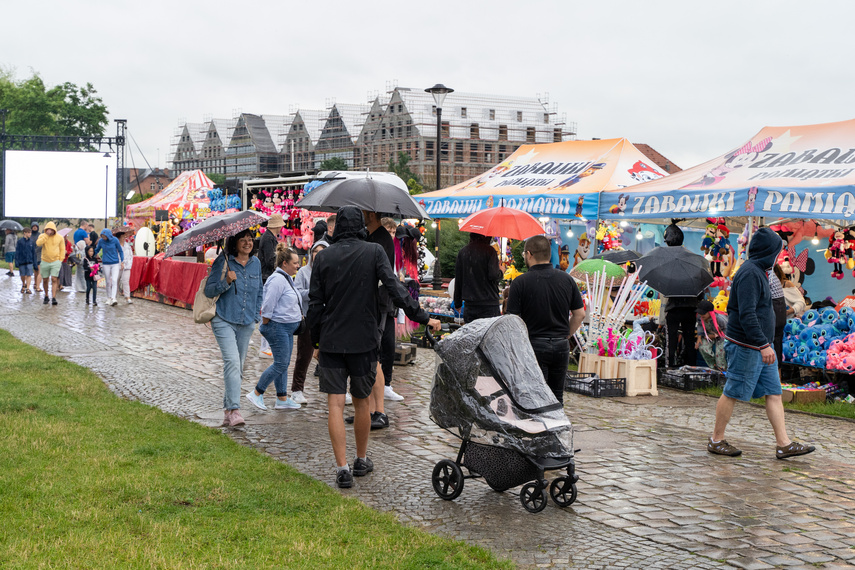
x,y
429,337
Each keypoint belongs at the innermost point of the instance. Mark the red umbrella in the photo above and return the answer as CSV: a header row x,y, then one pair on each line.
x,y
504,222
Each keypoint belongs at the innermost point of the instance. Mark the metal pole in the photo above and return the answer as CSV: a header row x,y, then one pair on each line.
x,y
437,272
2,162
106,191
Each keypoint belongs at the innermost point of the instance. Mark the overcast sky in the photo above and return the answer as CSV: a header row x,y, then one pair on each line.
x,y
691,79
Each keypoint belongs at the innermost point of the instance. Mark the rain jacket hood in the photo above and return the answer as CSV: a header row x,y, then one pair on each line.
x,y
109,248
764,248
52,247
349,224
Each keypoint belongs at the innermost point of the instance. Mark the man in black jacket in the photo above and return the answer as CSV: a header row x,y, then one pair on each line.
x,y
752,370
267,246
476,279
342,317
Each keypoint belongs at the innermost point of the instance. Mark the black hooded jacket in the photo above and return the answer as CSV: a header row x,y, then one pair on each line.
x,y
343,293
477,273
750,318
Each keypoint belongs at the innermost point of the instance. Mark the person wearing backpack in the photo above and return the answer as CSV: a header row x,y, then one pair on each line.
x,y
238,308
710,335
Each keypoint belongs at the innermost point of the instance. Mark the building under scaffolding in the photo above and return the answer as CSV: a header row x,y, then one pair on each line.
x,y
478,131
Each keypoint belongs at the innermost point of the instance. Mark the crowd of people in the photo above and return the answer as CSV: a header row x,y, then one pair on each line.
x,y
49,262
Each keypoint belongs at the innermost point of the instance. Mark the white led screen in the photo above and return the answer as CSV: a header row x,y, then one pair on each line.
x,y
46,184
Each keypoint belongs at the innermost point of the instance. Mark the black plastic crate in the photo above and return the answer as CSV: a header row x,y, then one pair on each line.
x,y
589,384
689,381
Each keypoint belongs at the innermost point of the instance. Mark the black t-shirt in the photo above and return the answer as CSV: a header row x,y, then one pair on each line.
x,y
382,237
544,298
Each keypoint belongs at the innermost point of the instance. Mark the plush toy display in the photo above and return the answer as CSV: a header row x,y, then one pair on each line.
x,y
823,338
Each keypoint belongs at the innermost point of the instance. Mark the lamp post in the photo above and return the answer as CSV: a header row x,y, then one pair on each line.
x,y
106,188
439,91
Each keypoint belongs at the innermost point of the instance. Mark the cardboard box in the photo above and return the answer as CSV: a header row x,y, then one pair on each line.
x,y
405,353
804,396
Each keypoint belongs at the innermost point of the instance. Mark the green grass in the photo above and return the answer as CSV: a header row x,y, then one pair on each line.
x,y
88,480
839,409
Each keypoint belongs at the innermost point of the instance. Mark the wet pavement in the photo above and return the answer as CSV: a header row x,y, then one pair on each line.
x,y
650,496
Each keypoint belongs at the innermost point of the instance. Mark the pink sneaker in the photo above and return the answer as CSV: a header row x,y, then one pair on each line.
x,y
237,419
227,418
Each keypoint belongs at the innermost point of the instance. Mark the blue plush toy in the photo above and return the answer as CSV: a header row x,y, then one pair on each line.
x,y
810,317
828,315
846,312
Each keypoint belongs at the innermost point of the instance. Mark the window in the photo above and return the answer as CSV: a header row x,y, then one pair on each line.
x,y
473,152
519,116
445,128
556,136
474,131
463,112
492,114
503,133
546,118
152,186
433,110
458,152
529,134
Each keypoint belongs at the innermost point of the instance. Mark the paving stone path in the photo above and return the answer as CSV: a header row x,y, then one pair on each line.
x,y
650,496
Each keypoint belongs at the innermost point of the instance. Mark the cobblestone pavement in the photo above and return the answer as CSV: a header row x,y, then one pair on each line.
x,y
650,496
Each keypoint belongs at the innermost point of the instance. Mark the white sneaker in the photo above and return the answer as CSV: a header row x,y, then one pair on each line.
x,y
348,400
286,404
113,302
256,399
265,353
129,301
390,394
299,397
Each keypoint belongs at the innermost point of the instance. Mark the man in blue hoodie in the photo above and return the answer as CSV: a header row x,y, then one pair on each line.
x,y
752,370
113,259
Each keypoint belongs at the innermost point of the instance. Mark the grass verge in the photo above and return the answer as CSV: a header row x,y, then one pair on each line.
x,y
88,480
838,409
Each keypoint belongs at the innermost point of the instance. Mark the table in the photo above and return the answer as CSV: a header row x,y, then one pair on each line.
x,y
167,281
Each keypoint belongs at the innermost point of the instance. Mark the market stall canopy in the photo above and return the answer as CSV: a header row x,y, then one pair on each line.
x,y
559,180
794,172
189,191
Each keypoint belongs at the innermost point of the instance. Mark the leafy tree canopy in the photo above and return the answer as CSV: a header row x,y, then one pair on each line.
x,y
216,178
401,167
334,163
62,110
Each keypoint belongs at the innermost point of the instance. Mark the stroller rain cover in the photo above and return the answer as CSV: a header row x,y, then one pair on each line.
x,y
488,388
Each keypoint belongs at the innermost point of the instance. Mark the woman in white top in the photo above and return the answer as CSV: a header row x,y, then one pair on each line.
x,y
281,314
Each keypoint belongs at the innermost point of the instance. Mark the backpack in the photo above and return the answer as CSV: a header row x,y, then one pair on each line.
x,y
204,307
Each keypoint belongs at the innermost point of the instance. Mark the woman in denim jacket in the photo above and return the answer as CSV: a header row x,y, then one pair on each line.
x,y
238,309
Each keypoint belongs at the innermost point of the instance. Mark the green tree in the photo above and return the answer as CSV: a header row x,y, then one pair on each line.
x,y
218,179
137,198
451,240
401,167
63,110
334,163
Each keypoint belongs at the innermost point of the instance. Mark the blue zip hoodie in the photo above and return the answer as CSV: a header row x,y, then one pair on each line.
x,y
110,248
750,318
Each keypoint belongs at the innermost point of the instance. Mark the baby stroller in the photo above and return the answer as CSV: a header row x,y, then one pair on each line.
x,y
489,391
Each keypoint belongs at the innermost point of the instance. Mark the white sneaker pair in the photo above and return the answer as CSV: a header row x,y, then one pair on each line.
x,y
299,397
390,394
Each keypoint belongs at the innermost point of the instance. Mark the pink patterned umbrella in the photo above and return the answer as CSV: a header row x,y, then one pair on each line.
x,y
214,229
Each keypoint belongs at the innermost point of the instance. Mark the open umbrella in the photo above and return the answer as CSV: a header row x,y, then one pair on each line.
x,y
11,225
364,193
675,271
618,256
591,266
64,231
214,229
504,222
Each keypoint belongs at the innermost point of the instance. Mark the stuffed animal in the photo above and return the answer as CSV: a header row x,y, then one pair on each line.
x,y
837,252
810,317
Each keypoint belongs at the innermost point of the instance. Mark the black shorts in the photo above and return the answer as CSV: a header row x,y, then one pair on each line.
x,y
334,369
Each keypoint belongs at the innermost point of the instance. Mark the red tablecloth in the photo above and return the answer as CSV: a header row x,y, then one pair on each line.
x,y
174,279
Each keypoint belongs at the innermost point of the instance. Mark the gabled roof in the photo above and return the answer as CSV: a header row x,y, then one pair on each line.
x,y
373,119
259,133
312,121
479,108
353,116
225,129
278,126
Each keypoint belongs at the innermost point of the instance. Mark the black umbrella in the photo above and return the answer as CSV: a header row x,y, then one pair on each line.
x,y
619,256
364,193
11,225
214,229
675,271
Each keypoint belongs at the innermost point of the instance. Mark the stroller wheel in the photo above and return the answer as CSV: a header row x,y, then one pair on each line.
x,y
563,492
447,479
533,497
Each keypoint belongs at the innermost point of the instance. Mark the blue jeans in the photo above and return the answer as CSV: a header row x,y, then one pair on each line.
x,y
280,337
234,342
747,376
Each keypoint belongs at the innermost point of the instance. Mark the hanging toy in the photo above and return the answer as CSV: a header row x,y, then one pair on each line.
x,y
837,253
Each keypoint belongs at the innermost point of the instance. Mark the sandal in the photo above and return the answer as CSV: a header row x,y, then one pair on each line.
x,y
793,450
723,448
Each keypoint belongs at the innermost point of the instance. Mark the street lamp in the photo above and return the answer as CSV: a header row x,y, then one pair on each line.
x,y
106,188
439,91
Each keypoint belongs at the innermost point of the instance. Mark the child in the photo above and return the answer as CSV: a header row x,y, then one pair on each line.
x,y
91,266
25,252
9,245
